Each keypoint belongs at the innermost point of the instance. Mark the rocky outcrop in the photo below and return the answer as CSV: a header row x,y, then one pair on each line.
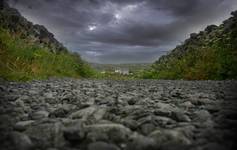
x,y
225,35
67,114
13,21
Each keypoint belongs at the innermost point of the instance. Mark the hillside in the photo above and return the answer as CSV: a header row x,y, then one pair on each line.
x,y
29,51
210,54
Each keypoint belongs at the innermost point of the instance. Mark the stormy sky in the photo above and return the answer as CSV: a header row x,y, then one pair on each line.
x,y
124,31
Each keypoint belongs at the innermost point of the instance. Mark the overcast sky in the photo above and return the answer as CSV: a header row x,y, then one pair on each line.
x,y
124,31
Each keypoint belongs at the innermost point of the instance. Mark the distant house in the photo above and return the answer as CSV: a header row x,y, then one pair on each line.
x,y
122,71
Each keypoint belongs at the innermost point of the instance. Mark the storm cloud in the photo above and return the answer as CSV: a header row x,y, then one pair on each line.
x,y
124,31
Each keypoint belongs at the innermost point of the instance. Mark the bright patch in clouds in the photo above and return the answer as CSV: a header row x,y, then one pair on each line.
x,y
117,16
92,27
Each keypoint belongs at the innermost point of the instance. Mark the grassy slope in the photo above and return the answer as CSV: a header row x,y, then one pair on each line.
x,y
215,60
22,60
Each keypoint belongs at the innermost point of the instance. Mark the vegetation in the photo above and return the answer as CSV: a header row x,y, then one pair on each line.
x,y
211,54
22,60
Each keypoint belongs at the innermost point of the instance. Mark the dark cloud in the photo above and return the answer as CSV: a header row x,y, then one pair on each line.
x,y
116,31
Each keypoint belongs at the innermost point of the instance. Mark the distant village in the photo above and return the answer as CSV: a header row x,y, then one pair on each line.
x,y
121,71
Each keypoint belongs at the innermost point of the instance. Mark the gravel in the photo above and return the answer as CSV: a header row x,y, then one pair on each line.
x,y
70,114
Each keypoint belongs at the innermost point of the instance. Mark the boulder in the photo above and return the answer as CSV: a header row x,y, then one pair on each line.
x,y
107,132
163,136
92,112
39,115
139,142
22,125
21,141
46,135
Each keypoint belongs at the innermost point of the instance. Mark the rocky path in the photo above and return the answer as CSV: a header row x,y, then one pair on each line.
x,y
67,114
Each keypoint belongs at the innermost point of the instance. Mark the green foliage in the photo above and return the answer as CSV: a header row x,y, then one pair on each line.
x,y
22,60
215,63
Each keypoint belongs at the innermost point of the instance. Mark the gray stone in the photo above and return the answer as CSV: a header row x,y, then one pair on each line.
x,y
20,103
163,136
107,132
102,146
180,116
92,112
21,141
60,112
187,104
131,101
48,95
202,115
163,109
147,128
130,123
22,125
74,133
47,134
139,142
39,115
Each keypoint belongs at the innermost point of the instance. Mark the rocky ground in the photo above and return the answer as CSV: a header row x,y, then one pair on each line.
x,y
68,114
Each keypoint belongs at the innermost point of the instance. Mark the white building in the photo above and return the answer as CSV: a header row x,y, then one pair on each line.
x,y
122,71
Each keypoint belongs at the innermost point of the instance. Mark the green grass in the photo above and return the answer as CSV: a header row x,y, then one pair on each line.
x,y
215,60
21,60
214,63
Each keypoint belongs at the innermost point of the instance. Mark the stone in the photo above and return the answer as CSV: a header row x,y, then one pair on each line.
x,y
163,136
139,142
21,141
102,146
58,113
202,115
107,132
39,115
22,125
180,116
83,113
46,134
131,101
20,103
147,128
215,146
48,95
92,112
130,123
187,104
75,133
163,109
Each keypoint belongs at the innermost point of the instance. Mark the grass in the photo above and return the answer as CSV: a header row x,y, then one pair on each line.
x,y
214,63
21,60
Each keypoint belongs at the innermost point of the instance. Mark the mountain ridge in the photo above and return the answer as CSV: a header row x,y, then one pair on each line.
x,y
11,19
